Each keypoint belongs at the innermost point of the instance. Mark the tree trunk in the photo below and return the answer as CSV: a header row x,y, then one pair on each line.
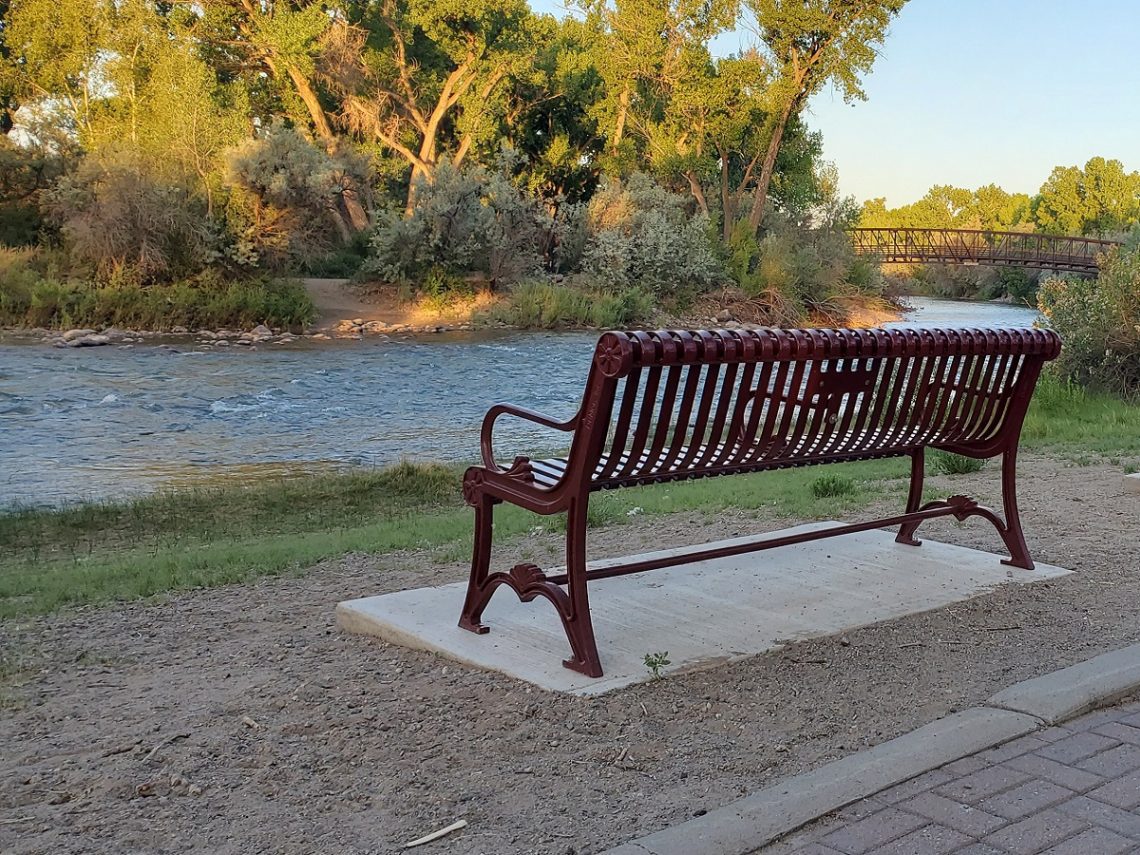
x,y
728,208
698,192
623,112
760,199
417,173
308,95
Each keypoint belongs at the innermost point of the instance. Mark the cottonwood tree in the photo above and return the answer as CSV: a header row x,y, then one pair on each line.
x,y
55,56
420,77
811,43
646,50
1099,199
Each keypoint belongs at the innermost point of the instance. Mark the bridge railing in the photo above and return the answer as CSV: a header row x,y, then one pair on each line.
x,y
977,246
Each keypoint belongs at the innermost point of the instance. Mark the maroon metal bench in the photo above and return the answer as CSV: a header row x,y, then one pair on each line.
x,y
673,405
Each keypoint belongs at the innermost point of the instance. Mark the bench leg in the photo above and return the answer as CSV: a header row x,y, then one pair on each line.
x,y
477,591
914,498
529,582
576,620
1013,535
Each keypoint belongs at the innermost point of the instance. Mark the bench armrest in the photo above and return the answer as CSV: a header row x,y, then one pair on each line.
x,y
485,439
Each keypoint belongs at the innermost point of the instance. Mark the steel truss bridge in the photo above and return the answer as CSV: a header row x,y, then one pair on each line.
x,y
974,246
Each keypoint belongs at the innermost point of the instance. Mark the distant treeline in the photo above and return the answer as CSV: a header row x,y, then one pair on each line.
x,y
1101,199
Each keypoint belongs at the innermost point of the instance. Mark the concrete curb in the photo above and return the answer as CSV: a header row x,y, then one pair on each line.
x,y
749,823
1075,690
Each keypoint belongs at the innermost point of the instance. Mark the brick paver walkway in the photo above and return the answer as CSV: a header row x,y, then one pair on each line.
x,y
1069,790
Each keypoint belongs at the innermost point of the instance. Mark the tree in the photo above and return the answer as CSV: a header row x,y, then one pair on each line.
x,y
420,76
55,55
547,116
9,100
1101,198
811,43
645,50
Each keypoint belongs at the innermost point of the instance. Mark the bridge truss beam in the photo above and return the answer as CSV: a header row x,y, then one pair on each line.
x,y
975,246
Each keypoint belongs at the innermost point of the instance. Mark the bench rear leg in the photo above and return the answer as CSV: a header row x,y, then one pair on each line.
x,y
477,592
914,498
1013,535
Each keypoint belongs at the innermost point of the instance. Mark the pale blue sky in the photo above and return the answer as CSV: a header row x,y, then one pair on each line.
x,y
969,92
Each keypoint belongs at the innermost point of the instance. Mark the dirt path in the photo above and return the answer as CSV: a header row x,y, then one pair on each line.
x,y
240,720
337,300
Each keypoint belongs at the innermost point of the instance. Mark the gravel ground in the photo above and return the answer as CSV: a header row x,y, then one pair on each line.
x,y
240,720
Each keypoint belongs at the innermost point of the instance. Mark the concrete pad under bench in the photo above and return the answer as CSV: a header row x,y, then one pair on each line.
x,y
702,614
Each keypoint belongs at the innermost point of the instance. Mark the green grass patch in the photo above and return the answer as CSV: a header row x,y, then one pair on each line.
x,y
831,487
945,463
1066,418
29,299
545,305
126,550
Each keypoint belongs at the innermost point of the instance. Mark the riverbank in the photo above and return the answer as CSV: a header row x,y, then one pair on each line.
x,y
281,311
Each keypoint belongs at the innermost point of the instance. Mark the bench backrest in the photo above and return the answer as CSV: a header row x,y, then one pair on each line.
x,y
677,404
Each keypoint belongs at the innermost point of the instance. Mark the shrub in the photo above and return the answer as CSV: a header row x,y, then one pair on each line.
x,y
640,234
119,219
1099,321
293,200
794,270
464,221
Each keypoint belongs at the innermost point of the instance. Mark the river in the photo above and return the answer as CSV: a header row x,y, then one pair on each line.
x,y
78,424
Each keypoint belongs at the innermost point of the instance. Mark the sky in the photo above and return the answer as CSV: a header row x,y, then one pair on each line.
x,y
973,92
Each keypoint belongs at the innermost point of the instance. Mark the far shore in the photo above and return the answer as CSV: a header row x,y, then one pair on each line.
x,y
353,312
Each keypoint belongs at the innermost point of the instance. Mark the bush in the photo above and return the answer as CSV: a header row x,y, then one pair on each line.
x,y
120,220
640,234
464,221
1099,321
293,200
794,271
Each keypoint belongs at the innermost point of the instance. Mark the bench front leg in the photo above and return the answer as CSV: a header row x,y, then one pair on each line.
x,y
576,620
478,593
914,498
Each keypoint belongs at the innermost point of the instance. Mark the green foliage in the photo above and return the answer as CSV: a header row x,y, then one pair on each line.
x,y
290,201
655,662
24,174
795,271
945,207
641,235
545,305
945,463
832,486
26,299
1099,199
1099,321
466,221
